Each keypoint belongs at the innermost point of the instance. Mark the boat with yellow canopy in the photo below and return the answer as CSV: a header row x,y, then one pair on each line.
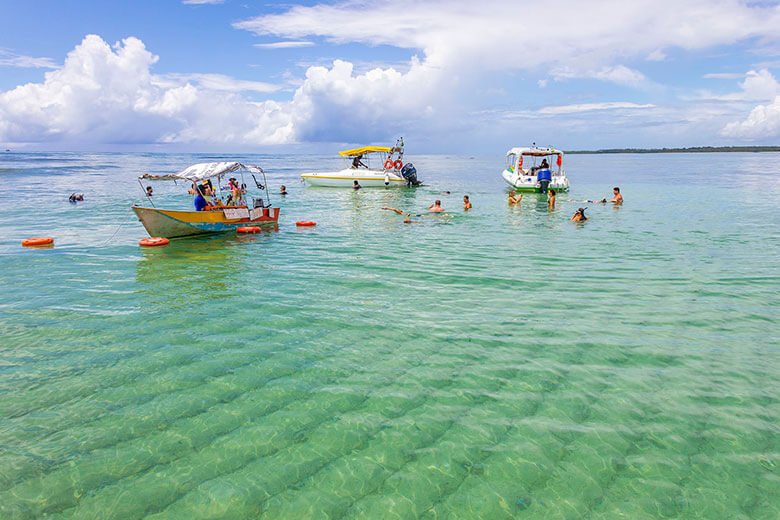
x,y
369,166
214,212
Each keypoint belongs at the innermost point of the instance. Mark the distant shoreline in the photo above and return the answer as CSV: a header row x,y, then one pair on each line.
x,y
693,149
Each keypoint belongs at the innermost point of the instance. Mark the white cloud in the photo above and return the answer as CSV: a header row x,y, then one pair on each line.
x,y
762,122
656,55
106,94
215,82
586,107
619,74
284,45
758,85
11,59
501,34
542,83
723,75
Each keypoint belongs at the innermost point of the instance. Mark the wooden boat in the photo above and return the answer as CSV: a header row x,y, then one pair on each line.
x,y
216,217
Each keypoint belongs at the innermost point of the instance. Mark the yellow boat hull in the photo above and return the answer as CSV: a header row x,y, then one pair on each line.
x,y
171,224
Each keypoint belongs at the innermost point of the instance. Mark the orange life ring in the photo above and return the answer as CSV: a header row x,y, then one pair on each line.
x,y
305,223
153,241
37,241
388,164
248,229
398,164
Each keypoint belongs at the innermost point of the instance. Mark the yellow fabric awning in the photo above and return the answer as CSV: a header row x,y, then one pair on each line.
x,y
364,150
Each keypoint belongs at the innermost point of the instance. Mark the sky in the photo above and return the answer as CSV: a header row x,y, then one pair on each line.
x,y
449,76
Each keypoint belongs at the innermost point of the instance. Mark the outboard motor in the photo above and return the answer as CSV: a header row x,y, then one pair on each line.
x,y
544,176
257,203
409,172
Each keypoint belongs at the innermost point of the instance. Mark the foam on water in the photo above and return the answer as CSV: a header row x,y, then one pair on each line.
x,y
504,363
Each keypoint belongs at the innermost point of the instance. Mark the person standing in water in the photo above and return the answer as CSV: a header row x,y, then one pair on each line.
x,y
515,198
551,200
283,190
356,185
436,207
618,198
466,203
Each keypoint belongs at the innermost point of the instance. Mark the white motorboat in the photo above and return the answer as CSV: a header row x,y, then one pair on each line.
x,y
535,169
369,166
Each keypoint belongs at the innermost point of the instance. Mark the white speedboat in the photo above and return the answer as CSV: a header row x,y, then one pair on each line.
x,y
370,166
535,169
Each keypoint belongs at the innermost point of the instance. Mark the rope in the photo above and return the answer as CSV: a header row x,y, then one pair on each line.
x,y
115,232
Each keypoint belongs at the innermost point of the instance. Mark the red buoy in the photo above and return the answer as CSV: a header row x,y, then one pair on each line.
x,y
153,241
248,229
305,223
38,241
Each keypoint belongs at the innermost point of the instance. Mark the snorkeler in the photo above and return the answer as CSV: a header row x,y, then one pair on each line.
x,y
76,197
579,215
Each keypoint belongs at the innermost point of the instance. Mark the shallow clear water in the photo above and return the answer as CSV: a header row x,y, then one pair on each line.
x,y
504,363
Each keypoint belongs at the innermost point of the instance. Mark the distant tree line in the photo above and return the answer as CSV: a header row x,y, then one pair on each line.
x,y
692,149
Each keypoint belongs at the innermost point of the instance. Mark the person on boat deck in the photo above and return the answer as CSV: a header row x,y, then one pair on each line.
x,y
466,203
356,185
436,207
357,162
514,198
579,215
544,165
283,190
618,198
200,201
551,200
149,191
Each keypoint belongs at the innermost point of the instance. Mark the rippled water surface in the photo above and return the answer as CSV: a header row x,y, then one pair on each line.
x,y
504,363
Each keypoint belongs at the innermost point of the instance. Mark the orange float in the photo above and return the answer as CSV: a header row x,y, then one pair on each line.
x,y
248,229
38,241
398,164
388,164
305,223
153,241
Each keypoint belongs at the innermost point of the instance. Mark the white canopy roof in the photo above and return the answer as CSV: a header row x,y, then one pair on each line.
x,y
536,151
202,171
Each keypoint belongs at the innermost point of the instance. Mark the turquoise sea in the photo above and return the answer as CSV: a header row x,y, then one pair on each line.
x,y
504,363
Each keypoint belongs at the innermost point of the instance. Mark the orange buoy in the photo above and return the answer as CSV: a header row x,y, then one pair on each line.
x,y
38,241
388,164
249,229
305,223
153,241
398,164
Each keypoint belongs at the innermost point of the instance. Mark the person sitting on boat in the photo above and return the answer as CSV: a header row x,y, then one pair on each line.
x,y
544,165
436,207
200,201
579,215
356,185
514,198
357,162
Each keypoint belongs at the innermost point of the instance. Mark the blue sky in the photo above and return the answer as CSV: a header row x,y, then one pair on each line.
x,y
466,77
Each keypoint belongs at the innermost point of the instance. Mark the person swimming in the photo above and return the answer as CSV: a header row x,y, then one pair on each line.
x,y
76,197
283,190
618,198
416,214
579,215
149,191
356,185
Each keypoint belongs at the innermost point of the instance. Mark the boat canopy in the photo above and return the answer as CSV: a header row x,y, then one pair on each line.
x,y
535,152
203,171
364,150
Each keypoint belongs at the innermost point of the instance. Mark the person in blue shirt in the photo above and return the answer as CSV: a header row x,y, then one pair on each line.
x,y
200,202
